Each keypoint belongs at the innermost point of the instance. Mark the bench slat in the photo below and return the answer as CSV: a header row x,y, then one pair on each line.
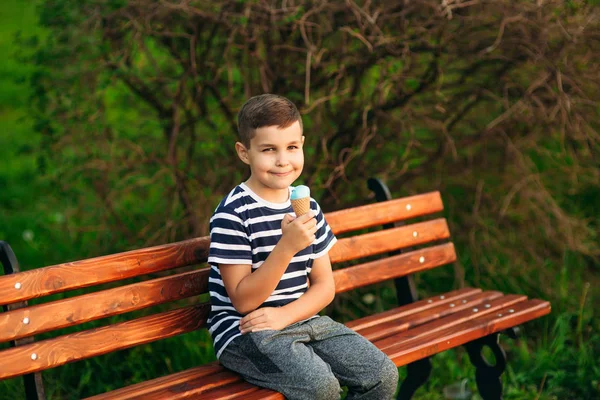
x,y
76,346
193,387
238,390
407,351
94,271
260,394
384,241
417,306
142,388
384,212
219,386
89,307
393,267
437,325
413,322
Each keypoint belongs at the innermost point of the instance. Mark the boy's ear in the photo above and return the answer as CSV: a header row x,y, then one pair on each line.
x,y
242,152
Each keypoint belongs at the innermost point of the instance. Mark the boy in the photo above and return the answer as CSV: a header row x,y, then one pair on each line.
x,y
263,318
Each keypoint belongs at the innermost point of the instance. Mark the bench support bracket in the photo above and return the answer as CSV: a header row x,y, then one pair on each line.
x,y
487,375
418,371
34,387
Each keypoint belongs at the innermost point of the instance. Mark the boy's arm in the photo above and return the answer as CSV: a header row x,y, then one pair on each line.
x,y
248,290
320,293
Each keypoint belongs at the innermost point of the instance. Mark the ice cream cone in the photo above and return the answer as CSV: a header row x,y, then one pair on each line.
x,y
301,206
300,199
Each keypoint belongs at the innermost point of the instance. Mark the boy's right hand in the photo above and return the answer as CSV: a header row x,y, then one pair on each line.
x,y
298,233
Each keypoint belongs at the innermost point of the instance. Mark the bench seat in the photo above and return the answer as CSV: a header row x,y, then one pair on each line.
x,y
405,334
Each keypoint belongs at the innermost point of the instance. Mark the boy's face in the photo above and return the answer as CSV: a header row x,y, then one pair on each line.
x,y
275,158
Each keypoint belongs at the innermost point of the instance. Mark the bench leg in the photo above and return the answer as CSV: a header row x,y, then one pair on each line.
x,y
417,374
487,376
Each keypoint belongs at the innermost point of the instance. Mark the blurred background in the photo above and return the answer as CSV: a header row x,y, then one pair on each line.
x,y
118,119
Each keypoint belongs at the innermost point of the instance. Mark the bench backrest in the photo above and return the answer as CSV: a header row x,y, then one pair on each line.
x,y
106,302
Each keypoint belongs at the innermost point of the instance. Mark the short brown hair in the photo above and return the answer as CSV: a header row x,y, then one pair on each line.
x,y
265,110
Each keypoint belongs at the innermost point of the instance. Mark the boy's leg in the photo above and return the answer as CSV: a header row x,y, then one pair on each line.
x,y
280,360
356,362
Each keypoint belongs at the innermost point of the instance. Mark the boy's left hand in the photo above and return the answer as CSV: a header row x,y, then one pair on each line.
x,y
267,318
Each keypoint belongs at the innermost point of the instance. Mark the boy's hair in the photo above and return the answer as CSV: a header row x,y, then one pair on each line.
x,y
265,110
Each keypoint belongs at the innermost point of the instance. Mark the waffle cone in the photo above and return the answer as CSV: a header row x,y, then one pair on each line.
x,y
301,206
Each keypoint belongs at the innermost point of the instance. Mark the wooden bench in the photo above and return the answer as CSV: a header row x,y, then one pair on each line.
x,y
408,334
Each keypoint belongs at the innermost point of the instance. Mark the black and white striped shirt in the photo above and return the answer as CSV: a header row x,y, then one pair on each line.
x,y
244,229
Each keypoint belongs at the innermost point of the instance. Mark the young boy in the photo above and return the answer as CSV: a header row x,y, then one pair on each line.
x,y
263,319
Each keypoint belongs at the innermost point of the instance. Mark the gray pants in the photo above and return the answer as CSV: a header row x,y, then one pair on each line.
x,y
310,360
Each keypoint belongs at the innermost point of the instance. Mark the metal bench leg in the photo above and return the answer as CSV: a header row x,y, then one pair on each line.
x,y
417,374
487,376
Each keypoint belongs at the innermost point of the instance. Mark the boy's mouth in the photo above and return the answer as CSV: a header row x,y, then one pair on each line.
x,y
282,173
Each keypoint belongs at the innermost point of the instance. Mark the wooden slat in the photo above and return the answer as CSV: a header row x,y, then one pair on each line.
x,y
387,240
93,271
261,394
93,342
236,390
494,299
450,320
437,341
393,267
385,212
142,388
88,307
412,308
194,388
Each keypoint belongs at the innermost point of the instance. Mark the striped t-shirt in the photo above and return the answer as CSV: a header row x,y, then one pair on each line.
x,y
244,230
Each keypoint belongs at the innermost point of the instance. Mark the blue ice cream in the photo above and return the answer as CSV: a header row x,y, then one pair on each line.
x,y
300,192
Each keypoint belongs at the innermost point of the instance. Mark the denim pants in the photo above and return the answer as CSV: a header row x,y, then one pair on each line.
x,y
310,360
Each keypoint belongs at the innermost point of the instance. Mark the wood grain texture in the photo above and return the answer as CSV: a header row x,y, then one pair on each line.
x,y
88,307
260,394
221,386
401,324
94,342
435,342
393,267
449,315
142,388
194,388
406,310
437,325
385,212
93,271
238,390
387,240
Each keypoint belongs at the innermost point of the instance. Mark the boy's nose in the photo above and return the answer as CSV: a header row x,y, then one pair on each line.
x,y
281,160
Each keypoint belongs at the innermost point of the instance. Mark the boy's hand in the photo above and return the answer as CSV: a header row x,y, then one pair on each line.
x,y
267,318
298,233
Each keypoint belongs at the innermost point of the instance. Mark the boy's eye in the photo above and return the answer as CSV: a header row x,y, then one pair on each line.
x,y
268,149
292,147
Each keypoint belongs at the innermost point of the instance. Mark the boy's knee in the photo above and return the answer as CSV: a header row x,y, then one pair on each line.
x,y
382,383
325,387
389,373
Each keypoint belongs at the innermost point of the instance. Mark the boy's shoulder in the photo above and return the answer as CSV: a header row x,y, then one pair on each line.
x,y
232,201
